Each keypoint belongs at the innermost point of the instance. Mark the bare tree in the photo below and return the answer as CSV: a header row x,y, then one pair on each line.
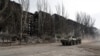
x,y
60,10
49,10
85,21
25,7
39,7
42,6
64,12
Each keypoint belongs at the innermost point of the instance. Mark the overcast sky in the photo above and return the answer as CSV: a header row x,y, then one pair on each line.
x,y
91,7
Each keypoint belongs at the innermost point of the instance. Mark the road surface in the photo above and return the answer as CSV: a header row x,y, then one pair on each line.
x,y
53,49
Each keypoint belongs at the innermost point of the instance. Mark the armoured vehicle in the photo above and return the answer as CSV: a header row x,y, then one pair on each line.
x,y
71,40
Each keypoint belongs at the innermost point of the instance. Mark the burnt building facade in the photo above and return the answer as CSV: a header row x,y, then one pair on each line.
x,y
37,24
41,23
32,24
10,14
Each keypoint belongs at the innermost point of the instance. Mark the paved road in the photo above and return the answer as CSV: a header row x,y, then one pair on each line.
x,y
54,49
93,47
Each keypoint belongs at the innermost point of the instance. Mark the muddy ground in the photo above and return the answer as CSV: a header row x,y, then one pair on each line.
x,y
53,49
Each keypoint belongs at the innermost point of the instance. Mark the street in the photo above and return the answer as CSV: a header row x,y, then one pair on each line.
x,y
52,49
